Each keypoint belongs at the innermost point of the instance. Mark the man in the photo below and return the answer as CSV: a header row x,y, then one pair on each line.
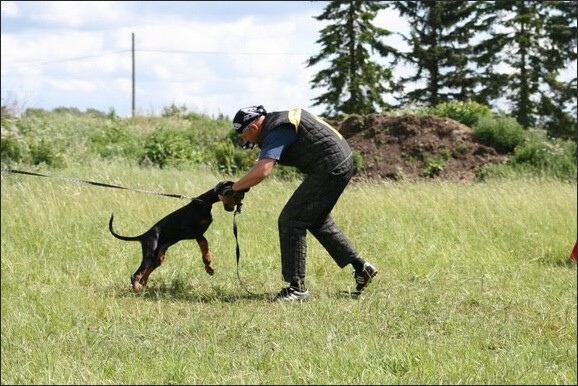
x,y
298,138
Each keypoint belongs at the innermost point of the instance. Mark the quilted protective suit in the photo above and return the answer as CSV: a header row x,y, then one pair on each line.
x,y
323,155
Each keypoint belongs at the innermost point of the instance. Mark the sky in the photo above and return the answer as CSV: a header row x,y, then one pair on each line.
x,y
212,57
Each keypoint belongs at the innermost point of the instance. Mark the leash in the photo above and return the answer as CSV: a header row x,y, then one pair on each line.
x,y
95,183
78,180
237,249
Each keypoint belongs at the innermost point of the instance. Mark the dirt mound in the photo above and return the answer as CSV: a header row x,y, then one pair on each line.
x,y
413,147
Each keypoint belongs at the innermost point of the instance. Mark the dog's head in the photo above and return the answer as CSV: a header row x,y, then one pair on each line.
x,y
230,198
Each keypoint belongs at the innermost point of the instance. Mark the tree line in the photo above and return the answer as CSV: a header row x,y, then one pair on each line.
x,y
491,52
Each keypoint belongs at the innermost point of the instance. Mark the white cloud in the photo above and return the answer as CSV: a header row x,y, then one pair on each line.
x,y
80,14
390,20
9,9
73,85
80,53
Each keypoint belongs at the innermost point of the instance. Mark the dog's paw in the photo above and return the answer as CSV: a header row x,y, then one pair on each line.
x,y
209,270
137,287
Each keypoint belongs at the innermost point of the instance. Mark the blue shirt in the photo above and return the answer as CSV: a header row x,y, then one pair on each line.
x,y
278,139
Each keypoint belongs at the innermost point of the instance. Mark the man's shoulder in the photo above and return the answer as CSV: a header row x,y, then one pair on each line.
x,y
285,130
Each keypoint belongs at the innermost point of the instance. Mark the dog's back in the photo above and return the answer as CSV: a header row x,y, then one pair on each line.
x,y
187,222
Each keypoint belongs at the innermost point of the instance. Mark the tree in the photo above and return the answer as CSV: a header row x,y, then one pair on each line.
x,y
533,42
495,52
440,42
557,107
354,82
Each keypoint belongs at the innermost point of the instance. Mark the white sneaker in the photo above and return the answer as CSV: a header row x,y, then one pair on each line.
x,y
292,294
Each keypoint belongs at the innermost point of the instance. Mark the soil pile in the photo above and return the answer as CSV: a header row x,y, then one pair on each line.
x,y
414,148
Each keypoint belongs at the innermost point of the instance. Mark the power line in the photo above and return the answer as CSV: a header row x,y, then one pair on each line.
x,y
226,53
79,58
91,57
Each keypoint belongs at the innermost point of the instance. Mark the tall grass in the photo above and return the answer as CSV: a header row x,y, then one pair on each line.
x,y
475,286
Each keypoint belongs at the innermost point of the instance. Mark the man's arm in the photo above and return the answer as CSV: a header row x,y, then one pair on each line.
x,y
258,173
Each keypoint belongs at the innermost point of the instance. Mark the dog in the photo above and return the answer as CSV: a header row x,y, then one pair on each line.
x,y
186,223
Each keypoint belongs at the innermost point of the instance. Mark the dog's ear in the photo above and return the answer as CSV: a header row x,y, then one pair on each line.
x,y
222,186
225,187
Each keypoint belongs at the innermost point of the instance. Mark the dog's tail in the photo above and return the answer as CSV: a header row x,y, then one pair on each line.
x,y
120,237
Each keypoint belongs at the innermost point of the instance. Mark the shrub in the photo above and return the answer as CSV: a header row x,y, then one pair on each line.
x,y
434,165
467,113
230,159
174,111
12,149
357,161
224,154
114,139
34,142
49,152
7,117
543,155
169,147
503,133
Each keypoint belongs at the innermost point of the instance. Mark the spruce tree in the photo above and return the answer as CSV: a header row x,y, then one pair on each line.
x,y
354,82
440,50
533,42
557,107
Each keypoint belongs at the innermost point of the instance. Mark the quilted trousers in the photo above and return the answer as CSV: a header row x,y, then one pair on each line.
x,y
309,209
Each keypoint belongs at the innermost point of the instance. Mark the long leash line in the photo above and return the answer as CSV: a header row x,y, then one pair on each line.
x,y
238,250
96,183
238,210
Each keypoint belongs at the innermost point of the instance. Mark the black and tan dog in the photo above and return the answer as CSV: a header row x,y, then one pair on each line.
x,y
186,223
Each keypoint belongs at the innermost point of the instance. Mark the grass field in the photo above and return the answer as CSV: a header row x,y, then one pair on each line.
x,y
475,286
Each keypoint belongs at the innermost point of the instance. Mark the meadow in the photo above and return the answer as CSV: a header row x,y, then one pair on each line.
x,y
475,286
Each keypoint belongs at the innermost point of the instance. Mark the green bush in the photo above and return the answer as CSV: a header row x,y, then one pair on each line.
x,y
542,155
115,139
224,154
286,173
503,133
12,149
33,150
181,138
170,147
468,112
8,116
48,152
357,161
37,113
434,165
230,159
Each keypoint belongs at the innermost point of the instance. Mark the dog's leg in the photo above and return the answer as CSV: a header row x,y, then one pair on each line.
x,y
157,260
148,264
206,255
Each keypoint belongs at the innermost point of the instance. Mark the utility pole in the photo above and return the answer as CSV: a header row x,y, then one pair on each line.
x,y
133,77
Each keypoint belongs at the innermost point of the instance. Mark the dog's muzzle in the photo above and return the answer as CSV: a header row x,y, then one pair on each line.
x,y
231,198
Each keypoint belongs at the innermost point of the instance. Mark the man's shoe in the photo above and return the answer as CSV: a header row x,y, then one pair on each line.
x,y
291,294
363,277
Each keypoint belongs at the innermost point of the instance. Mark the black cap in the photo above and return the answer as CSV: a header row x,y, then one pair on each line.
x,y
247,115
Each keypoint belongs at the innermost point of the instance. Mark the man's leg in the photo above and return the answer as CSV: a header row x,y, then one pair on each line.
x,y
308,209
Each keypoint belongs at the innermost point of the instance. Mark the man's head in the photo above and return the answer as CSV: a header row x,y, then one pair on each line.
x,y
247,122
246,116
